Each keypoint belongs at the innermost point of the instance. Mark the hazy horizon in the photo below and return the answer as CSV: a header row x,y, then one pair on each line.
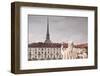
x,y
61,29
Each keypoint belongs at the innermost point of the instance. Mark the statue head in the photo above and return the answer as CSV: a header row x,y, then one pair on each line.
x,y
70,44
62,46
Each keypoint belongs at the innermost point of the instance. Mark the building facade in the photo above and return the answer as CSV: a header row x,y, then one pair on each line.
x,y
56,51
44,51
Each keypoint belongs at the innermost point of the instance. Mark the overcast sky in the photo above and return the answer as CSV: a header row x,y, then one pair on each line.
x,y
61,29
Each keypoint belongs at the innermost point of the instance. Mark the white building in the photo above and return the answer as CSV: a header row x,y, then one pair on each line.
x,y
44,51
54,51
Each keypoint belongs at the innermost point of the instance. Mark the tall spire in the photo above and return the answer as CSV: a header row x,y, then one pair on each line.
x,y
47,34
48,37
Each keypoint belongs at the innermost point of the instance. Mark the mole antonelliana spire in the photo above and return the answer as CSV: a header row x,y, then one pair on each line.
x,y
47,34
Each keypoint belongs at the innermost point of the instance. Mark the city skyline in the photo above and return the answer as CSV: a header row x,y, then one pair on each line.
x,y
61,29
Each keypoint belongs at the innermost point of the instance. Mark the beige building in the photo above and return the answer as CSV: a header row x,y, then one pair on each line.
x,y
45,51
55,51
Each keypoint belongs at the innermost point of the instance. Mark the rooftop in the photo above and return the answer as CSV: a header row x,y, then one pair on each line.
x,y
55,45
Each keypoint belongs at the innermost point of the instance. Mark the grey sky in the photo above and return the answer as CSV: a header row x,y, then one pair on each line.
x,y
62,29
